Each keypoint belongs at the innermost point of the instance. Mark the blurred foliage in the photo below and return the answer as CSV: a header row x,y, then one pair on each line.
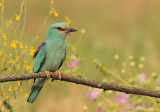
x,y
116,42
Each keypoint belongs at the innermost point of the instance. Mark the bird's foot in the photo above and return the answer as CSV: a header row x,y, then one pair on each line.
x,y
59,74
48,73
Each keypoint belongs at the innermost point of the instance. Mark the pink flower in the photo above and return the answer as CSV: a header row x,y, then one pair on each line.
x,y
99,109
73,63
158,83
93,94
142,78
123,98
135,110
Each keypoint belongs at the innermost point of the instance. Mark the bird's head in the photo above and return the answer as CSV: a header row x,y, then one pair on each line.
x,y
60,30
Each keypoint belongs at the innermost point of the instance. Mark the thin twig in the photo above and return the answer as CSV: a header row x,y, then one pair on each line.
x,y
82,81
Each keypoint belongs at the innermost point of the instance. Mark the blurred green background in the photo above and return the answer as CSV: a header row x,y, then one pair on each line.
x,y
122,27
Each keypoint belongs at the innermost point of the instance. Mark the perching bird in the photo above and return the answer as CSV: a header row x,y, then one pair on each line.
x,y
50,56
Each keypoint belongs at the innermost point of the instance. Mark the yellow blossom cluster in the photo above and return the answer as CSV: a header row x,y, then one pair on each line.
x,y
27,66
9,22
12,53
32,50
13,44
21,45
52,2
131,62
68,20
0,4
9,89
116,56
4,36
54,12
1,53
17,18
13,63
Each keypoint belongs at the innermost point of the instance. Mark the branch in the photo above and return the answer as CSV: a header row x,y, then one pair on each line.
x,y
82,81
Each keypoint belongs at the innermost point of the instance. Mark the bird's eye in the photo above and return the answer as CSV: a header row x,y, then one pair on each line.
x,y
59,28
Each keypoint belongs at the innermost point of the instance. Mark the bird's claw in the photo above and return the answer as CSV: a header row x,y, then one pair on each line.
x,y
48,73
59,74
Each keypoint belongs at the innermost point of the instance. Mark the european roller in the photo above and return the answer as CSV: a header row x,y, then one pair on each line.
x,y
49,56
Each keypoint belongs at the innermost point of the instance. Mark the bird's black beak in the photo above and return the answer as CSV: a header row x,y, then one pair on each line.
x,y
70,29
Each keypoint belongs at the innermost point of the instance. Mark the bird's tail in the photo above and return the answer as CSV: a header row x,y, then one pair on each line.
x,y
34,93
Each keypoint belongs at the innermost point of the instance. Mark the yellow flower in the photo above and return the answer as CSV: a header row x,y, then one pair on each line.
x,y
130,80
18,83
73,57
116,57
18,68
13,44
132,63
140,66
83,31
130,57
13,104
8,23
104,80
1,53
10,69
21,90
67,19
3,60
29,81
27,66
85,107
5,43
123,71
15,88
109,92
9,89
10,55
0,4
153,74
26,47
17,17
30,71
17,58
142,59
99,104
10,62
4,36
74,48
25,95
52,2
53,11
32,50
25,62
6,95
21,46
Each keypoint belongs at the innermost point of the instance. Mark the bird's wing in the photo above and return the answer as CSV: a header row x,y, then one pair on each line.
x,y
37,50
39,56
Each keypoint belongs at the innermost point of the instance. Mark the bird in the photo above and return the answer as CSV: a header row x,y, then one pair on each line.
x,y
49,56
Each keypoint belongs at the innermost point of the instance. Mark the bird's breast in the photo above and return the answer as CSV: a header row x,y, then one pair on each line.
x,y
56,54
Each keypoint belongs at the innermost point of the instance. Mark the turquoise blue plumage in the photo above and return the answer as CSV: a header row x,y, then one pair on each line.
x,y
50,55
